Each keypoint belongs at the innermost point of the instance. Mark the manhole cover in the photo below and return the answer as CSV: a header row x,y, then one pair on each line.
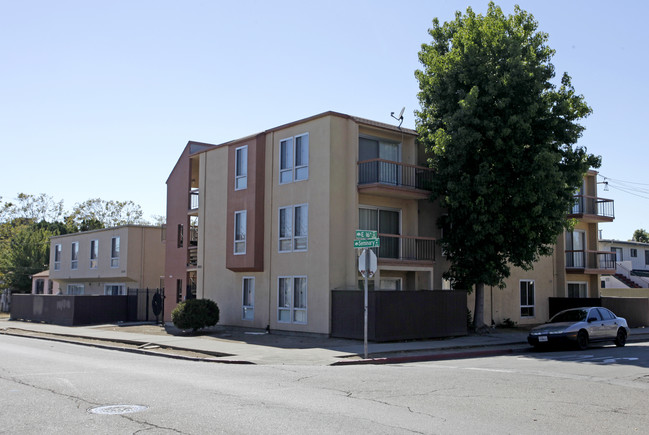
x,y
117,409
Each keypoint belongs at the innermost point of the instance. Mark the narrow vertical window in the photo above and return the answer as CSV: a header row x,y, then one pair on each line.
x,y
114,252
285,229
527,298
74,256
240,232
241,168
181,235
301,233
94,253
299,299
57,257
248,289
179,290
286,161
302,157
284,299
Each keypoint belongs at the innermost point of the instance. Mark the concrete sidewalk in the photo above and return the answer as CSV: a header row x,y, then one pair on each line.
x,y
236,345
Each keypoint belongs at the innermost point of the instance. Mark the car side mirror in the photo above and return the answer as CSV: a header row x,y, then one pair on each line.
x,y
592,319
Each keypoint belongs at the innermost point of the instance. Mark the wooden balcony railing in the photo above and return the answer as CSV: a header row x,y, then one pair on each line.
x,y
406,248
379,171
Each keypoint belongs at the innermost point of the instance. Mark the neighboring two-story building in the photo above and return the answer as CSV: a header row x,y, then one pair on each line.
x,y
632,268
107,261
264,225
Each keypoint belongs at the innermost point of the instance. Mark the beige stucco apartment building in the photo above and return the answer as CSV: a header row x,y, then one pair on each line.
x,y
107,261
265,225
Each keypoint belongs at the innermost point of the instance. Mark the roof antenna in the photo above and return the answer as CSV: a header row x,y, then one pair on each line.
x,y
400,117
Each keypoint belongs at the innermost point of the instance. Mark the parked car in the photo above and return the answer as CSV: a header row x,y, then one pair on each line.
x,y
581,326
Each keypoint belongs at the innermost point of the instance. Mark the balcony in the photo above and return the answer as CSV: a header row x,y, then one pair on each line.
x,y
590,262
388,178
192,258
592,209
193,200
397,249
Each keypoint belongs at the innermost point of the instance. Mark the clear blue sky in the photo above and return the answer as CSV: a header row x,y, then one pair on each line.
x,y
98,98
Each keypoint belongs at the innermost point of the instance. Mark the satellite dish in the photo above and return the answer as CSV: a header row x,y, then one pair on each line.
x,y
401,113
400,117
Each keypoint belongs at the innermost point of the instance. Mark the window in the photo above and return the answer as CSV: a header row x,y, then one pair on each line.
x,y
57,257
618,253
75,289
181,235
293,228
94,252
390,284
575,249
387,222
646,257
74,256
578,289
294,159
114,252
114,290
292,299
634,252
40,286
248,290
239,232
241,168
379,171
527,298
179,290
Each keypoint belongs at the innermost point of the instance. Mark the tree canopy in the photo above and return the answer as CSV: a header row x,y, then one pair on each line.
x,y
499,135
640,235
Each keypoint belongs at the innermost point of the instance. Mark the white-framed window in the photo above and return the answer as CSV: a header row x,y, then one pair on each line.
x,y
114,289
74,256
618,253
241,168
114,252
527,298
75,289
94,253
240,232
634,252
292,299
294,228
578,289
57,257
294,159
248,298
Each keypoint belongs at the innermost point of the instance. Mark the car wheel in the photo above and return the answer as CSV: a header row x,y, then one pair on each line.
x,y
582,340
620,339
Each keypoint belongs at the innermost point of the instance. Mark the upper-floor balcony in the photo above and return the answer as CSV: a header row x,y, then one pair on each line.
x,y
592,209
397,249
590,262
389,178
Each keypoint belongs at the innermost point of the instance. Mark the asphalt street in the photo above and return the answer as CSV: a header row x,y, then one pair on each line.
x,y
52,387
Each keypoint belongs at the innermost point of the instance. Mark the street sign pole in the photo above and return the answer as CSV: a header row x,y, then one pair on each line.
x,y
367,274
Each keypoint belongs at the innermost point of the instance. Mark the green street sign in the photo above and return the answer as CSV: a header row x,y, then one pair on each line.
x,y
367,234
367,243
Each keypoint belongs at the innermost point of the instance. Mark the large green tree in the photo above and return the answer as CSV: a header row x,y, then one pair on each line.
x,y
500,136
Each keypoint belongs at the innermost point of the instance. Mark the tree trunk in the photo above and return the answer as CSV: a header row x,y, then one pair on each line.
x,y
478,313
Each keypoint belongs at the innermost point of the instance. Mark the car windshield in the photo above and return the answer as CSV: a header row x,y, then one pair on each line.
x,y
570,316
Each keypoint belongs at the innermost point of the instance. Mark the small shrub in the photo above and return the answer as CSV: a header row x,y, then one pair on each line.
x,y
195,314
508,323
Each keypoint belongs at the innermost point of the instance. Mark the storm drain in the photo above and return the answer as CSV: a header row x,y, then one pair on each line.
x,y
117,409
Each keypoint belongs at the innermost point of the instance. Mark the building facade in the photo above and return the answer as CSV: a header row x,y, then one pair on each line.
x,y
265,225
108,261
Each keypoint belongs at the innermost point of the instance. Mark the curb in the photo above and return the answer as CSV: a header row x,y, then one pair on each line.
x,y
429,357
126,349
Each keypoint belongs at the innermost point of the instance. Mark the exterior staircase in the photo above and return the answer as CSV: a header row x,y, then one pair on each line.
x,y
626,281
